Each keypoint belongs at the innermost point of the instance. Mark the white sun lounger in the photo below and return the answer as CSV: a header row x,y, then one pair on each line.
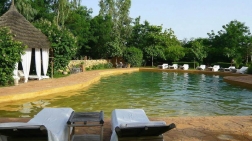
x,y
164,66
229,69
201,67
242,70
173,66
50,122
133,124
185,67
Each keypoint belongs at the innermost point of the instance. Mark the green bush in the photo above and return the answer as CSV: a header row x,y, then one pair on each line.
x,y
100,66
63,43
108,65
133,56
11,52
191,64
249,71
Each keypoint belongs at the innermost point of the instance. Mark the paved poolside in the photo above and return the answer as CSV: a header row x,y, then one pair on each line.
x,y
219,128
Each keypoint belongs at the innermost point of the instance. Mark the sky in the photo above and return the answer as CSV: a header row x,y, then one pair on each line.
x,y
187,18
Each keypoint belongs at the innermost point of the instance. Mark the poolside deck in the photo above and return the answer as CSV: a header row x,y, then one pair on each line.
x,y
220,128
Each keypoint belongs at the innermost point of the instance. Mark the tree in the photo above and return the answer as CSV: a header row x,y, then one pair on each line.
x,y
25,8
100,29
172,47
62,41
175,52
153,39
139,31
233,40
198,50
62,9
119,12
133,56
43,8
11,52
154,42
78,22
4,6
113,49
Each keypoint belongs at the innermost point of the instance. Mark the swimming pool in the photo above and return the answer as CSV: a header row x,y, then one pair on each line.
x,y
160,94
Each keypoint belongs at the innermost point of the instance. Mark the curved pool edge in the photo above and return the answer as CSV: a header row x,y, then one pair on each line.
x,y
93,76
243,81
85,79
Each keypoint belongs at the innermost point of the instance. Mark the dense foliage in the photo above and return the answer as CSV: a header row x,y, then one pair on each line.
x,y
62,41
100,66
11,52
249,71
133,56
74,33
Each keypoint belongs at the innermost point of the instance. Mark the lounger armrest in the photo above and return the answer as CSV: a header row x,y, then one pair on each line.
x,y
143,124
69,119
143,130
19,131
101,117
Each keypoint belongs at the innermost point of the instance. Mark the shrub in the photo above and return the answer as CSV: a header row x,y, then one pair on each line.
x,y
63,43
133,56
11,52
100,66
108,65
249,71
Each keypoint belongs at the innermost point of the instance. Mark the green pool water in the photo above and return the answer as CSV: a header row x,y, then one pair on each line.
x,y
160,94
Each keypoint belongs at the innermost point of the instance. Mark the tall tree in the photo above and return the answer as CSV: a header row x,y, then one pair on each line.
x,y
153,47
100,29
172,47
62,9
44,9
25,8
119,11
78,22
198,50
233,40
155,43
4,6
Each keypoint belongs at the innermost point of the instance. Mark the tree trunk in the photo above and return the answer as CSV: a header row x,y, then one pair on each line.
x,y
152,61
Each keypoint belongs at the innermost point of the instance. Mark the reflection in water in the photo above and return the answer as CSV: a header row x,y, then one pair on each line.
x,y
159,94
28,107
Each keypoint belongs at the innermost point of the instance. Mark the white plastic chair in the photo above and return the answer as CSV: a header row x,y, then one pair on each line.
x,y
185,67
164,66
174,66
201,67
242,70
229,68
216,68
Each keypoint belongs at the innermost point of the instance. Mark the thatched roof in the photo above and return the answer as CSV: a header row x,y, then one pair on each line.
x,y
23,29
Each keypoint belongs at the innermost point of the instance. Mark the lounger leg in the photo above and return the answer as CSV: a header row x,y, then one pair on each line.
x,y
101,133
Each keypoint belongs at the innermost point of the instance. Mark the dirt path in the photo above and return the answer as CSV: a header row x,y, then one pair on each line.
x,y
223,128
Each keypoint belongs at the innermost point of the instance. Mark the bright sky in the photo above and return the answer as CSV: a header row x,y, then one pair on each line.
x,y
187,18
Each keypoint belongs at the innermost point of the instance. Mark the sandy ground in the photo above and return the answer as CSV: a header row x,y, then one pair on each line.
x,y
223,128
220,128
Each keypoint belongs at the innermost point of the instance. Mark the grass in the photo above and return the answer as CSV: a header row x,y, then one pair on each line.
x,y
60,75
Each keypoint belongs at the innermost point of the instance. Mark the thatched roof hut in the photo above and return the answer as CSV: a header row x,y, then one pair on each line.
x,y
23,29
36,41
